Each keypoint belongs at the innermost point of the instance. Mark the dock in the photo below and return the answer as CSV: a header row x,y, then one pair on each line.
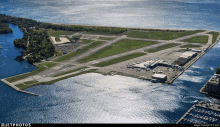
x,y
201,113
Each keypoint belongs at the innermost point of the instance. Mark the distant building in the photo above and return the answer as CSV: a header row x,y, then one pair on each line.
x,y
213,85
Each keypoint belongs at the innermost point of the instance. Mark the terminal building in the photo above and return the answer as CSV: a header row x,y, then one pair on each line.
x,y
150,64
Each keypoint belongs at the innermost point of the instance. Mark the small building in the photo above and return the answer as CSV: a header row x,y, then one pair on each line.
x,y
160,77
75,39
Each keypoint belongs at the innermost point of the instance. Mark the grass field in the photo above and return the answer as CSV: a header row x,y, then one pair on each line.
x,y
198,39
190,46
159,48
119,47
159,35
215,35
119,59
22,87
86,41
40,69
78,52
57,33
67,72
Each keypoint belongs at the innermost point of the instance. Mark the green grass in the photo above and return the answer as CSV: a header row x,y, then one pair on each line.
x,y
198,39
78,52
42,29
57,33
22,87
159,48
123,46
67,72
119,59
106,38
30,82
160,35
40,69
86,41
190,46
49,64
215,35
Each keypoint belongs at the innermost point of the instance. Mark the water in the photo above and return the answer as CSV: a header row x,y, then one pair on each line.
x,y
97,98
187,14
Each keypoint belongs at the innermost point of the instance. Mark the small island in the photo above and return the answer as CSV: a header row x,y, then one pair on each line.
x,y
62,51
4,28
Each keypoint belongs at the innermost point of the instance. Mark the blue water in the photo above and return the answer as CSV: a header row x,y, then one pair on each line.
x,y
97,98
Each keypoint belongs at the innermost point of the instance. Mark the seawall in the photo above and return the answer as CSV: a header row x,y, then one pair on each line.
x,y
16,88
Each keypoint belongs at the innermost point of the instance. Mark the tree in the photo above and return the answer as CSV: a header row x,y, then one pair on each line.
x,y
217,70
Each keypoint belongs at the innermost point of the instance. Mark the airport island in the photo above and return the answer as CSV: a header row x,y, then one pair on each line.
x,y
62,51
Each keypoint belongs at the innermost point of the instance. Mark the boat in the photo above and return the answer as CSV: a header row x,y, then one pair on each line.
x,y
6,47
26,67
196,101
0,47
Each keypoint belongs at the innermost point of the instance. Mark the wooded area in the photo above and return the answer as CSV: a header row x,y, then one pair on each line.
x,y
4,28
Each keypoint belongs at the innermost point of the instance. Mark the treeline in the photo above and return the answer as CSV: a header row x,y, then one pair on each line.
x,y
96,29
39,46
29,23
4,28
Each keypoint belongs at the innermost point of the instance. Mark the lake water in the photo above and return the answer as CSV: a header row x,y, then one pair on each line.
x,y
97,98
